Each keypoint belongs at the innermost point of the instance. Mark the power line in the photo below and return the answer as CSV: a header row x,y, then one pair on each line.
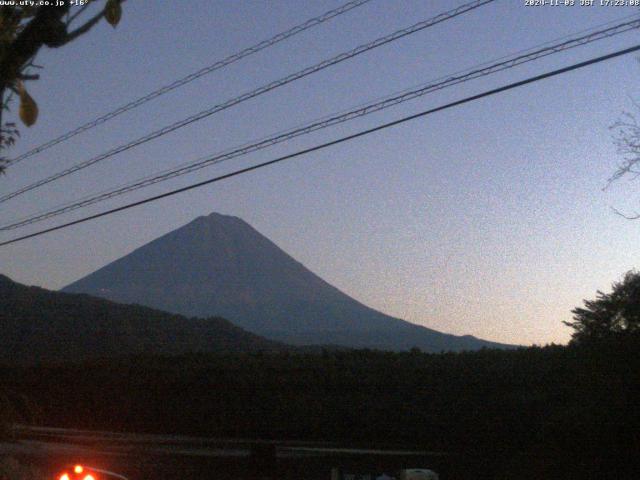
x,y
254,93
362,133
193,76
366,109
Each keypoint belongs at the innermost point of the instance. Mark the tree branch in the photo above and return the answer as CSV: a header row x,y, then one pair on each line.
x,y
1,109
24,76
46,28
2,159
89,24
78,13
84,28
628,217
35,34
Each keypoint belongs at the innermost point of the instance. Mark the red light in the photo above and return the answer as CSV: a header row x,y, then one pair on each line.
x,y
78,469
64,476
89,477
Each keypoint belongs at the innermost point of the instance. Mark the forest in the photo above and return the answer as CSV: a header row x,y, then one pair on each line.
x,y
554,410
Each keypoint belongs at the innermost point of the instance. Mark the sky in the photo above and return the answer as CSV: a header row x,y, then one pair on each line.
x,y
487,219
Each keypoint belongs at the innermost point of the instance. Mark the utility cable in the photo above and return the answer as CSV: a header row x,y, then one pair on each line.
x,y
254,93
361,111
191,77
322,146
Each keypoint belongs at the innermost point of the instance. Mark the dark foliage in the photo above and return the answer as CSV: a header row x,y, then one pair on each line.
x,y
612,315
40,325
552,412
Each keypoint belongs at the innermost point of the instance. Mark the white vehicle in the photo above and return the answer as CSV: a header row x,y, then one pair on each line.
x,y
418,474
406,474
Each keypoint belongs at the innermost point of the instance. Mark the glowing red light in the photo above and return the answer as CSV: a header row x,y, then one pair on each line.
x,y
64,476
78,469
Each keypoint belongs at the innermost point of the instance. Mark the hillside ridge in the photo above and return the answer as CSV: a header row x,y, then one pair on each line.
x,y
42,325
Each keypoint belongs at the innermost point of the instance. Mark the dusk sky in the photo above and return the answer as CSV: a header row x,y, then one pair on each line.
x,y
486,219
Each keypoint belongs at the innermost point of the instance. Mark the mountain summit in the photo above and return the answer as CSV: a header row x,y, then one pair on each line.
x,y
220,265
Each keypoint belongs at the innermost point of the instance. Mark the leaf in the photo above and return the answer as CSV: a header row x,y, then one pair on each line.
x,y
28,108
113,12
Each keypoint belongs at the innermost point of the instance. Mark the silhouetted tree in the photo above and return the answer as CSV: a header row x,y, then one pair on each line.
x,y
627,140
24,30
610,315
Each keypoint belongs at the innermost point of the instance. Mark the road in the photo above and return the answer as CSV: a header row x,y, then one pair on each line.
x,y
164,456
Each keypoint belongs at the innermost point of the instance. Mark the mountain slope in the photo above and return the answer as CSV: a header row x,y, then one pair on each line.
x,y
38,324
220,265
